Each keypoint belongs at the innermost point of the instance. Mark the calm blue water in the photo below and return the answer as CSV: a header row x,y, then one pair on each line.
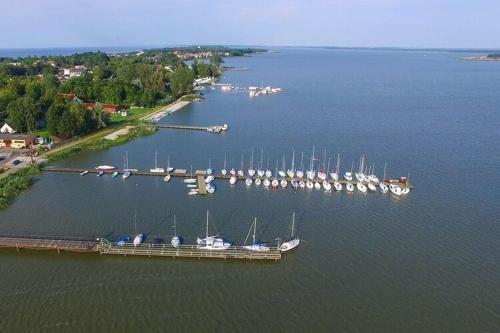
x,y
424,262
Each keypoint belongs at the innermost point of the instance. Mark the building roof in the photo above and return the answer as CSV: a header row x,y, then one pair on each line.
x,y
7,129
26,137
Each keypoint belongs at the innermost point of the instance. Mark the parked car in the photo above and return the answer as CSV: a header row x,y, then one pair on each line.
x,y
16,162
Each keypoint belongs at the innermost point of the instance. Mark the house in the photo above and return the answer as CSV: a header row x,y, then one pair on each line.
x,y
16,140
74,71
105,107
7,129
72,98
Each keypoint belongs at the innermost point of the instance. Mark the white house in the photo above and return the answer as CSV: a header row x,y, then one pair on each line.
x,y
7,129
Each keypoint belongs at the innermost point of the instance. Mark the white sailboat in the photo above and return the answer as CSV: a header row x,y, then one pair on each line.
x,y
176,241
383,187
321,172
337,185
282,173
248,181
317,185
283,183
291,172
348,175
360,176
240,171
335,175
361,187
251,170
257,182
327,186
275,183
260,170
190,180
293,242
300,172
209,170
309,184
311,174
349,187
126,171
138,237
169,168
212,242
156,169
372,187
266,182
395,189
224,170
302,184
256,246
268,172
233,180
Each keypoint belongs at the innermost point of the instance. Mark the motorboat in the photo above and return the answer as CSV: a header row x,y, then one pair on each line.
x,y
258,181
372,187
337,186
84,173
361,187
105,168
292,242
114,174
233,180
349,187
123,240
100,173
395,189
317,185
190,180
209,179
167,178
210,188
256,246
327,186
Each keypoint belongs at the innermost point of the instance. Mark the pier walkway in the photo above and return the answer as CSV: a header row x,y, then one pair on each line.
x,y
211,129
103,246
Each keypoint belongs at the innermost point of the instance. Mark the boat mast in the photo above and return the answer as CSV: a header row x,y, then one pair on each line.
x,y
302,162
312,161
324,160
135,221
206,233
283,165
338,164
293,223
241,166
293,161
383,179
225,156
251,162
261,158
328,167
168,161
175,229
254,227
156,159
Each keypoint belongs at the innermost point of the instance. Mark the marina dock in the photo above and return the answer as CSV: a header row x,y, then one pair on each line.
x,y
104,246
184,174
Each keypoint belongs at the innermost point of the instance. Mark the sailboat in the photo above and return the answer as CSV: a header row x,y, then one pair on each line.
x,y
309,184
266,182
268,172
284,183
260,170
190,180
258,181
383,187
282,173
240,171
251,170
138,237
224,170
126,172
233,180
327,186
248,181
321,172
348,175
169,168
291,172
310,173
275,182
395,189
349,187
176,241
156,168
293,242
361,187
256,246
212,242
210,187
335,175
209,171
300,172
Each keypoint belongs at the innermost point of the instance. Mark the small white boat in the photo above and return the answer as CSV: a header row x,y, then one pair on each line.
x,y
275,183
190,180
299,174
191,186
193,192
294,183
282,173
167,178
251,170
256,246
84,173
349,187
337,186
335,174
309,184
209,179
156,169
293,242
266,182
327,186
317,185
210,188
302,184
176,241
383,188
395,189
311,174
248,182
223,172
260,170
269,173
169,168
372,187
232,172
261,173
233,180
258,182
348,176
284,183
240,173
126,174
361,187
105,168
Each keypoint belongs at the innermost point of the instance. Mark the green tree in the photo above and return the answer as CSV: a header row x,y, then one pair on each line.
x,y
182,81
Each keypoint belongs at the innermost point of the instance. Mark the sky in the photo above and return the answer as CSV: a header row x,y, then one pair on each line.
x,y
363,23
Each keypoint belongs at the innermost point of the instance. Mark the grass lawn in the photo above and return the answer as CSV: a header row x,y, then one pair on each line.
x,y
42,133
133,114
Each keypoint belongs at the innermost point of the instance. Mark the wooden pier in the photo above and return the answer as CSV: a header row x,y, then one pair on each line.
x,y
49,243
211,129
104,247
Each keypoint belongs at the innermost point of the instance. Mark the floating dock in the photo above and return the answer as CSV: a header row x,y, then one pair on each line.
x,y
104,246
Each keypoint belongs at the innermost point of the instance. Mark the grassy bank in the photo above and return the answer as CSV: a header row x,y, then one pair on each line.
x,y
100,143
13,184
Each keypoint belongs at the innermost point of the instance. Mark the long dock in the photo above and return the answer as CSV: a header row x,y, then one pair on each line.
x,y
184,174
211,129
104,246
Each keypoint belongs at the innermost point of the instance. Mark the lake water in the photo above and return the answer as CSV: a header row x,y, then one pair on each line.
x,y
424,262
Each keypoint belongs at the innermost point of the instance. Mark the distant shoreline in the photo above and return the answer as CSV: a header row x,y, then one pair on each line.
x,y
482,58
